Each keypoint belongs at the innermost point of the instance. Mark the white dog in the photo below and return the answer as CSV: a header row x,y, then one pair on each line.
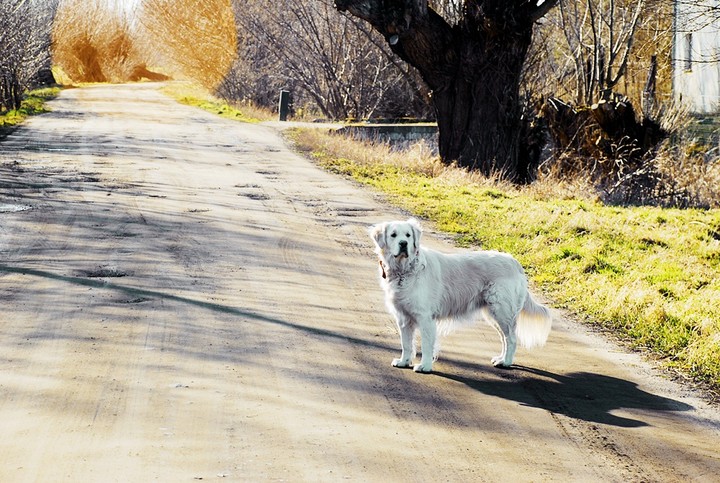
x,y
433,291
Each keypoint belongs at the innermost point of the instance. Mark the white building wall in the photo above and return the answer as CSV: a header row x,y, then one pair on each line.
x,y
696,55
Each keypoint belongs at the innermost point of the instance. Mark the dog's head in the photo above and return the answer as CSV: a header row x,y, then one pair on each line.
x,y
397,240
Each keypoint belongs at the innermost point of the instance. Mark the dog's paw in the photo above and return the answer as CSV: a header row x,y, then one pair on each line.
x,y
401,363
499,361
423,368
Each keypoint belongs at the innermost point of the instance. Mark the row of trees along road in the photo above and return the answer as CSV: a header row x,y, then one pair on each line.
x,y
481,68
24,48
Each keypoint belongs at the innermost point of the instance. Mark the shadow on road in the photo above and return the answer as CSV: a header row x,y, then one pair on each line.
x,y
143,294
585,396
581,395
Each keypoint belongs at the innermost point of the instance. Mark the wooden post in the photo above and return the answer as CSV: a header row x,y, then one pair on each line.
x,y
284,106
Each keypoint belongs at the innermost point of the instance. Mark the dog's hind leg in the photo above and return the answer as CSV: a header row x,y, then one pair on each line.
x,y
504,322
407,342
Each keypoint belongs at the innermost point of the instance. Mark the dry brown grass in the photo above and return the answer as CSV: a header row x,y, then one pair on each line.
x,y
687,176
93,42
680,175
420,158
195,39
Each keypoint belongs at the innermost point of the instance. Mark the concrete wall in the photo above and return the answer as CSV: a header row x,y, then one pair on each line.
x,y
393,133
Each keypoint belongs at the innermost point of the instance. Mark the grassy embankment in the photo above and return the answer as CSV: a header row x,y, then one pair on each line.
x,y
649,275
32,104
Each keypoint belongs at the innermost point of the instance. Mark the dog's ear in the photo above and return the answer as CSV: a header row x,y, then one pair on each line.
x,y
417,232
377,233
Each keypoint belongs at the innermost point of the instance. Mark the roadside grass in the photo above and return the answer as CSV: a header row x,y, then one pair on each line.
x,y
196,96
32,104
649,275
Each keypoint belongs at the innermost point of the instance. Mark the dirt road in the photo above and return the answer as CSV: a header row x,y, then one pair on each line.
x,y
183,298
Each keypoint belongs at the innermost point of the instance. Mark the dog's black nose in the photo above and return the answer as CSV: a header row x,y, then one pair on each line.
x,y
403,245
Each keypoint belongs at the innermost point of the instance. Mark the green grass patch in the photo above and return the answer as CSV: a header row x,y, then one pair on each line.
x,y
651,275
197,97
33,103
217,107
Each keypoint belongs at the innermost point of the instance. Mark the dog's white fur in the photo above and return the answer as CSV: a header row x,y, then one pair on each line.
x,y
434,292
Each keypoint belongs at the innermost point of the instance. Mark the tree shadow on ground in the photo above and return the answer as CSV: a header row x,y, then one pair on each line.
x,y
141,294
581,395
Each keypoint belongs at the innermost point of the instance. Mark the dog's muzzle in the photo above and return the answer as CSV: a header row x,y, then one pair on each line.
x,y
402,249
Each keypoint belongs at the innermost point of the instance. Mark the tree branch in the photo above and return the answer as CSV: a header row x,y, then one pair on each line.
x,y
539,11
415,32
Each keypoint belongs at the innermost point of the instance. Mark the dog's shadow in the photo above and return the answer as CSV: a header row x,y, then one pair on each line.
x,y
580,395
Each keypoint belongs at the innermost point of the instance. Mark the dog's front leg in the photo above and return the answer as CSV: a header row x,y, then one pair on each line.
x,y
428,332
407,342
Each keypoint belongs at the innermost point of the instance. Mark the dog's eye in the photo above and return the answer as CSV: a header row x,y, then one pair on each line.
x,y
393,235
407,235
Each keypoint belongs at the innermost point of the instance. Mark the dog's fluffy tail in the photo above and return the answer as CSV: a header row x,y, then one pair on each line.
x,y
534,324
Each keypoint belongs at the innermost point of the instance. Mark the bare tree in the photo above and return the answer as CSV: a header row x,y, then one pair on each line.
x,y
606,56
24,47
337,65
600,36
256,75
588,49
471,54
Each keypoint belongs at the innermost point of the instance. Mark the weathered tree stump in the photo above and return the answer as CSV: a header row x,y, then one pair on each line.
x,y
606,138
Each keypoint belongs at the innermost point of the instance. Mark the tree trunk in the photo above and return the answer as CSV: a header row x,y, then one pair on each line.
x,y
473,69
10,91
479,111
